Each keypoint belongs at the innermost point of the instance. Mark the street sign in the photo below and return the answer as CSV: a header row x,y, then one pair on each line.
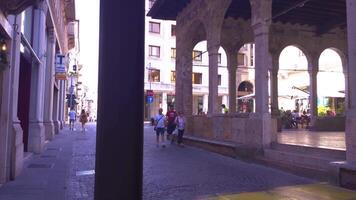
x,y
149,93
149,99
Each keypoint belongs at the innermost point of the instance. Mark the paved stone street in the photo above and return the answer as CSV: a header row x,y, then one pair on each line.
x,y
66,171
190,173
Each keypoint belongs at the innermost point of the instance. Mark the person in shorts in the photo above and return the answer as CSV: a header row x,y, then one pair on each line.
x,y
180,121
160,124
171,121
72,116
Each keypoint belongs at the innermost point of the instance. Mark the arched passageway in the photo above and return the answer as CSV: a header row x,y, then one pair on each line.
x,y
331,84
293,80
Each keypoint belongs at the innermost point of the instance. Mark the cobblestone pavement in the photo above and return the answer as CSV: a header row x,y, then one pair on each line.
x,y
170,173
81,181
190,173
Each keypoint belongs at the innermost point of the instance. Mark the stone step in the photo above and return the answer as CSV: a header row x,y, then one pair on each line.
x,y
332,154
298,159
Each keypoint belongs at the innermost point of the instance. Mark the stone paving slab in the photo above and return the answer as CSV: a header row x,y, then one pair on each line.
x,y
319,139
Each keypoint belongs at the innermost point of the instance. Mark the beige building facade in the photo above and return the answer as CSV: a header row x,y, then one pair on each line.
x,y
32,98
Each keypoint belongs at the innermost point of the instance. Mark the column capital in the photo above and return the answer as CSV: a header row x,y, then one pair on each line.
x,y
261,28
41,5
261,12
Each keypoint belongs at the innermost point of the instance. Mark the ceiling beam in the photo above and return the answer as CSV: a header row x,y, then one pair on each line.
x,y
290,8
15,7
322,29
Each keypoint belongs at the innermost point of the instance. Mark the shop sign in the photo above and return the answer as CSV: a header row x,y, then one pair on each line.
x,y
61,73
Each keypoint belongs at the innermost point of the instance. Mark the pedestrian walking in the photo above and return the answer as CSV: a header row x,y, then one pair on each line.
x,y
171,122
180,121
72,116
83,119
159,127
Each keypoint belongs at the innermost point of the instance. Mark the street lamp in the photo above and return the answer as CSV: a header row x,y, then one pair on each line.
x,y
149,68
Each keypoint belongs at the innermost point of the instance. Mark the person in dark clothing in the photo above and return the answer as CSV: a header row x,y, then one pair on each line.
x,y
171,121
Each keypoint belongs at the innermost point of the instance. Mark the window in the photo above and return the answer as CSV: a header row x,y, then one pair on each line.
x,y
173,53
240,59
219,58
150,3
219,79
197,55
154,75
154,27
173,76
173,30
197,78
154,51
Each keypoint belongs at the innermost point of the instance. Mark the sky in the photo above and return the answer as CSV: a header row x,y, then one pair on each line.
x,y
87,12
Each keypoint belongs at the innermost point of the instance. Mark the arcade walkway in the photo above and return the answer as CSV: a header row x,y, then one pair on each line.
x,y
66,171
327,140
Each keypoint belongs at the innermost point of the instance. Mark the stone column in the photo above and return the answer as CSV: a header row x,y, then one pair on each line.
x,y
119,160
164,102
205,103
213,106
232,67
274,87
351,110
62,103
16,132
55,118
36,129
313,66
49,85
184,68
261,15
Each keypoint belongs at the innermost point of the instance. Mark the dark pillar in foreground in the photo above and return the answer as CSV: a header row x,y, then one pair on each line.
x,y
120,108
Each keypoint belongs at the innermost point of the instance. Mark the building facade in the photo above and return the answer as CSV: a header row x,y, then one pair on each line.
x,y
35,34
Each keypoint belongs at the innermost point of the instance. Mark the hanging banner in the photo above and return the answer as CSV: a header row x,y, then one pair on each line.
x,y
61,73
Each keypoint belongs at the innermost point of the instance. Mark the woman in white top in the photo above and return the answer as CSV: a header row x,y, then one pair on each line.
x,y
180,121
160,124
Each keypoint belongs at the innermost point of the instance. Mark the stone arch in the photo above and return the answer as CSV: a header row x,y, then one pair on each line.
x,y
341,54
245,86
331,81
293,78
245,93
